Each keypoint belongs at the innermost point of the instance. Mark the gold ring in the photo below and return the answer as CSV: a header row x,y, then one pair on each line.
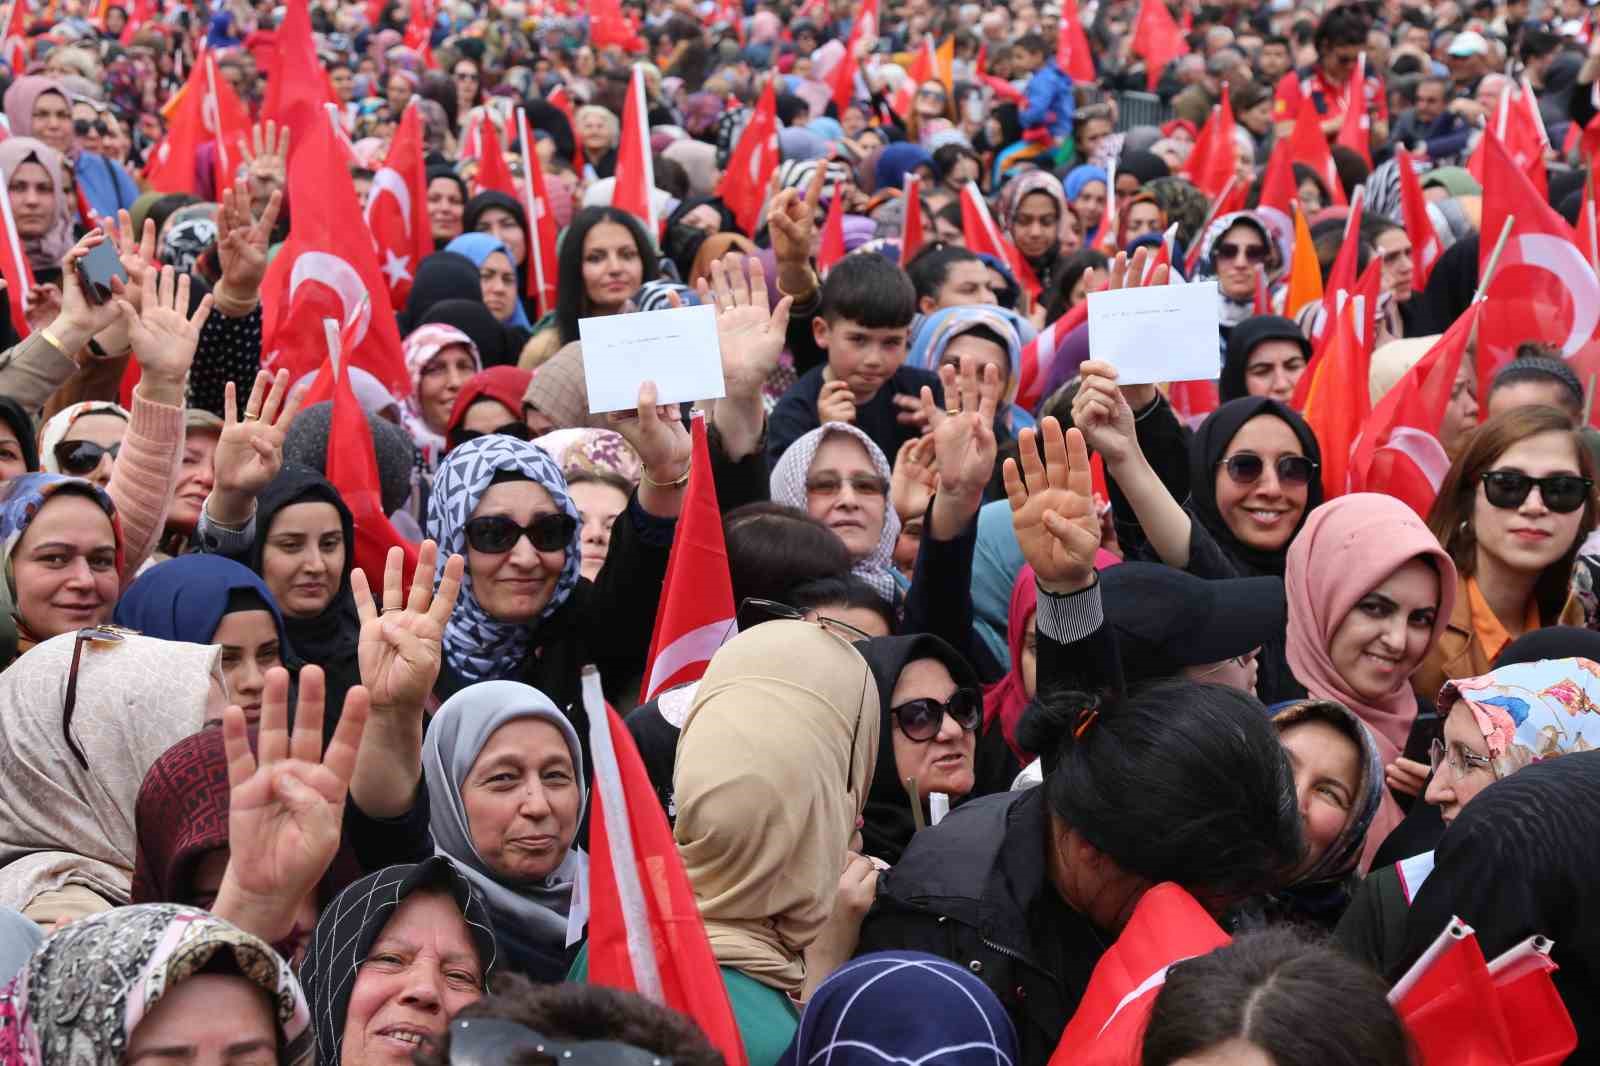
x,y
387,610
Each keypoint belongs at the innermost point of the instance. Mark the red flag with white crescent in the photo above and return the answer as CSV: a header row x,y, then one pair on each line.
x,y
636,175
542,271
911,219
984,237
1425,244
397,208
744,184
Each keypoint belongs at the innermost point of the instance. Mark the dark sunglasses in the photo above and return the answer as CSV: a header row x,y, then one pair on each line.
x,y
1246,468
497,1041
82,126
1562,493
1253,253
96,635
496,534
519,430
80,457
920,720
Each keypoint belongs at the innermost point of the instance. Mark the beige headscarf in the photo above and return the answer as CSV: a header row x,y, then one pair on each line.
x,y
63,825
557,390
768,792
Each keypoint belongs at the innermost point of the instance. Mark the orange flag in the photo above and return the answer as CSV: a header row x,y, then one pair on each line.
x,y
1333,398
1305,272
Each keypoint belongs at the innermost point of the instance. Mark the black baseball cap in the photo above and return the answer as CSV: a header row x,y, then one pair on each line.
x,y
1166,619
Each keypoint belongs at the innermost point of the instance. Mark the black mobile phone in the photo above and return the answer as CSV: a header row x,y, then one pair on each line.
x,y
97,268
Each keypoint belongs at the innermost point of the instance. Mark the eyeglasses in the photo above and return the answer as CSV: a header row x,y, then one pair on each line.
x,y
1562,493
921,720
1461,761
860,484
519,430
1246,468
80,457
92,635
496,534
1242,662
497,1041
1252,253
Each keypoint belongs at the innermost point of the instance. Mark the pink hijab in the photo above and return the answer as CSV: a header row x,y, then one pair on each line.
x,y
21,97
1348,547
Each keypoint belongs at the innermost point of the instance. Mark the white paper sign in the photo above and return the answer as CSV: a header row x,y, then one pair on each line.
x,y
676,348
1158,333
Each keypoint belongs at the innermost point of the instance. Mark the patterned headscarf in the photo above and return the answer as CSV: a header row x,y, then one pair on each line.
x,y
1528,712
593,451
421,346
87,988
55,430
476,645
789,488
190,231
656,295
935,333
1032,181
1342,855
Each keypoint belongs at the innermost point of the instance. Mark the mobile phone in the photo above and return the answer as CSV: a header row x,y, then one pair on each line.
x,y
96,269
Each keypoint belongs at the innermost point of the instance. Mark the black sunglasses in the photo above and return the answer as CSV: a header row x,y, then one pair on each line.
x,y
497,1041
82,126
920,720
1253,253
80,457
1246,468
496,534
1562,493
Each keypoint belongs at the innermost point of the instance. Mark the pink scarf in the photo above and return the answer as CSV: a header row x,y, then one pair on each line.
x,y
1348,547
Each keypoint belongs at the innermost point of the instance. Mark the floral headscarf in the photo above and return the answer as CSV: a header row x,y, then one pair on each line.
x,y
476,645
422,346
22,497
789,488
594,451
1528,712
936,332
87,988
1032,181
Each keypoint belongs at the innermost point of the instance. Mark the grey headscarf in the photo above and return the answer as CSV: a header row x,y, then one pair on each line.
x,y
526,916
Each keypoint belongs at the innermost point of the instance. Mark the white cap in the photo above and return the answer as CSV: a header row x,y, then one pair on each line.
x,y
1469,43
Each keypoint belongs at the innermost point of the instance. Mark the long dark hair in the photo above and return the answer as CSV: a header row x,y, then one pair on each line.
x,y
572,299
1451,517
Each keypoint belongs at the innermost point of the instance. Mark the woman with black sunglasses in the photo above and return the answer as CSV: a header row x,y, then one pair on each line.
x,y
1513,512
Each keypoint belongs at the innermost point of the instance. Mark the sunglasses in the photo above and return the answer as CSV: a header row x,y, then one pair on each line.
x,y
1246,468
1252,253
80,457
921,720
497,534
92,635
860,484
497,1041
82,126
1562,493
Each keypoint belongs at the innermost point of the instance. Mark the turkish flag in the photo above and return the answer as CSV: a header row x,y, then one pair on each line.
x,y
744,184
697,612
1355,132
636,175
419,31
1425,244
208,111
561,100
911,219
1213,163
493,172
1192,401
296,86
1307,145
924,68
328,269
397,208
1279,193
842,78
830,249
1543,289
1342,275
1157,39
1333,396
1072,45
645,931
14,41
1521,131
610,28
1589,226
1399,452
1168,926
542,270
14,267
982,236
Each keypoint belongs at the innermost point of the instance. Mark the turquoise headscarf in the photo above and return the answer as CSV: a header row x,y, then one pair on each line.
x,y
480,246
936,331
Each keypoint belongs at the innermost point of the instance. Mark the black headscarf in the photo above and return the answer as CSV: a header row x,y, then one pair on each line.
x,y
441,276
551,120
355,919
328,640
496,346
1210,444
888,824
1551,642
22,426
1242,340
492,198
1146,166
1450,289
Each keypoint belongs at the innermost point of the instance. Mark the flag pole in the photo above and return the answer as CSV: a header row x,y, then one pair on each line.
x,y
1588,400
1494,258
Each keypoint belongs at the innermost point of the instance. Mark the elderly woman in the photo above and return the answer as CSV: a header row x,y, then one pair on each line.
x,y
505,779
598,131
838,475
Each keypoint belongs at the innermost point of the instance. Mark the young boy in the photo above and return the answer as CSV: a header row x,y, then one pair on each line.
x,y
861,327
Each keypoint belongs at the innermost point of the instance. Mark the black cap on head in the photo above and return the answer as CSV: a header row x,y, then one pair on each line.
x,y
1166,619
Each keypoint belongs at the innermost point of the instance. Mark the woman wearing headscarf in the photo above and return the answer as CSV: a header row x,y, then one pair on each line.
x,y
506,783
39,204
66,827
447,197
525,612
83,440
441,276
1087,188
361,992
187,235
1369,593
440,360
490,402
1033,213
497,277
993,336
39,107
19,447
1266,356
502,217
858,1016
61,557
116,987
1238,250
495,343
996,560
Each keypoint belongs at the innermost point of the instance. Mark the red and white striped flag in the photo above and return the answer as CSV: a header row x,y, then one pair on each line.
x,y
636,175
697,609
984,237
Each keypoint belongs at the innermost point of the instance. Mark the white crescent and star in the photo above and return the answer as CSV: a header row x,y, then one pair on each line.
x,y
337,274
1562,258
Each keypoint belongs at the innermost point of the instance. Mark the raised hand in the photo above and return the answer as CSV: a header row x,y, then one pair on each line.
x,y
1052,507
750,332
658,435
242,241
163,334
401,647
79,319
914,478
138,256
266,159
285,807
963,433
792,221
1102,411
250,450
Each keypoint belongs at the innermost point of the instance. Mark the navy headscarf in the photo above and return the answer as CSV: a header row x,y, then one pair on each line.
x,y
187,597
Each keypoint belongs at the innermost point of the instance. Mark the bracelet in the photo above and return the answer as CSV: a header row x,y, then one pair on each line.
x,y
644,475
53,340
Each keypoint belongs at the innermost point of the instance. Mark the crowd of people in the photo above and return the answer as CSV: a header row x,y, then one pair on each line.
x,y
1015,644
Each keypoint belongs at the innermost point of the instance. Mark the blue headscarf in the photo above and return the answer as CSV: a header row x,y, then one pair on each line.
x,y
186,598
935,333
477,646
898,160
480,246
827,128
1080,176
996,562
24,495
859,1016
